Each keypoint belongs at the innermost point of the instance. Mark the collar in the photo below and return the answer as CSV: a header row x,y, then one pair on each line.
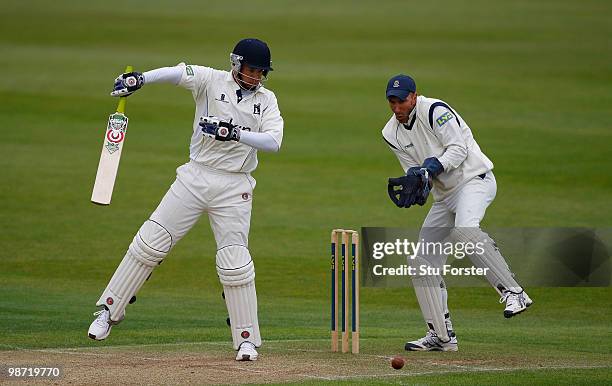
x,y
411,119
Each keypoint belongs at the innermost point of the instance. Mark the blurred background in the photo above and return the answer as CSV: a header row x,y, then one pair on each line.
x,y
532,79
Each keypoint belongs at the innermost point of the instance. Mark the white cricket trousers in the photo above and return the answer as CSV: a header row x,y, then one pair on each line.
x,y
225,196
466,206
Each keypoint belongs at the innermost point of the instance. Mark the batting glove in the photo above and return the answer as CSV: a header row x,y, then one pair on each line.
x,y
220,130
126,84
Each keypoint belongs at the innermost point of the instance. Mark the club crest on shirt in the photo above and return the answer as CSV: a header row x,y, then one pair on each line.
x,y
257,108
222,98
442,119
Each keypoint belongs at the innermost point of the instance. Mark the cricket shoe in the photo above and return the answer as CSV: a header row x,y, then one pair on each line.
x,y
515,303
100,328
431,342
247,352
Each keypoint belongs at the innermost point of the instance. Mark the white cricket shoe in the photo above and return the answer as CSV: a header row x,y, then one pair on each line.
x,y
515,303
247,352
101,326
431,342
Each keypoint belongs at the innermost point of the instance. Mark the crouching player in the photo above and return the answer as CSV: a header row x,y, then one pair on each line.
x,y
437,151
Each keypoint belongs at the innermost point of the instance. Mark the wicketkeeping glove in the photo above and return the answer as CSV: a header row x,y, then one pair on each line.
x,y
126,84
408,186
220,130
430,169
424,184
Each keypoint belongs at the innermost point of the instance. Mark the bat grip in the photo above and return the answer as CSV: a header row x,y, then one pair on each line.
x,y
123,100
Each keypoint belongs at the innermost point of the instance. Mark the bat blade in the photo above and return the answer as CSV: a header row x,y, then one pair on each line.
x,y
112,147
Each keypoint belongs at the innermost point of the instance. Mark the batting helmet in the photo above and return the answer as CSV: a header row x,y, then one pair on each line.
x,y
253,52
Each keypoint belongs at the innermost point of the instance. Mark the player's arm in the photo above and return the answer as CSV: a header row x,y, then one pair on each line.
x,y
225,131
271,135
127,83
272,125
448,130
260,141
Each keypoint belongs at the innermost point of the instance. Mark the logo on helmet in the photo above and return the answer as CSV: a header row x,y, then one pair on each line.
x,y
396,84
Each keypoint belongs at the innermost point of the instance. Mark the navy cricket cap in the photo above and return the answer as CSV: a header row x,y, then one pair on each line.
x,y
400,86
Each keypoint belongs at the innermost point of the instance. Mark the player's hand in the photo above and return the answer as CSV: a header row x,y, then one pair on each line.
x,y
126,84
424,184
220,130
408,186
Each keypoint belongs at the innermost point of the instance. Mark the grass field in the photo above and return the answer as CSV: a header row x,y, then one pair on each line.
x,y
532,79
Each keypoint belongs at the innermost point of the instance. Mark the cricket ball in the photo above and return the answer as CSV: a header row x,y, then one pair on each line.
x,y
397,362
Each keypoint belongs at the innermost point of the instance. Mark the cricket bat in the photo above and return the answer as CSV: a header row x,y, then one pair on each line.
x,y
112,147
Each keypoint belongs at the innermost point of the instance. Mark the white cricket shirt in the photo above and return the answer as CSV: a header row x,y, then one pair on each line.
x,y
217,94
434,129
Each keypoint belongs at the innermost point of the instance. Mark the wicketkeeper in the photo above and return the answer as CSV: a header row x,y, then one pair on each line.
x,y
438,153
235,116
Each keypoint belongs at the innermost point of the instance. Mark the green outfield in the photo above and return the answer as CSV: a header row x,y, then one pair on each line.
x,y
532,79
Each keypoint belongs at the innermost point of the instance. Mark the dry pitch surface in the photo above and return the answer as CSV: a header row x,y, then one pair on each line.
x,y
280,361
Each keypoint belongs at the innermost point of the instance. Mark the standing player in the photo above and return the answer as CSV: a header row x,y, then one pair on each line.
x,y
436,148
234,117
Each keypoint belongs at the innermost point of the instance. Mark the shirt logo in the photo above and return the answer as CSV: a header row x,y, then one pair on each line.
x,y
189,70
442,119
396,84
222,99
257,108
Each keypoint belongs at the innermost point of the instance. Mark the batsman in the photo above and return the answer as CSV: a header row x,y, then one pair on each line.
x,y
439,154
235,116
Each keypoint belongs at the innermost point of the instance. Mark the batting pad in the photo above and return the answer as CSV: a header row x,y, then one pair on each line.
x,y
237,275
444,296
148,249
429,295
498,273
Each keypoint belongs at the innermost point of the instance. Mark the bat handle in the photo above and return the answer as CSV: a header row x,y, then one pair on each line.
x,y
123,100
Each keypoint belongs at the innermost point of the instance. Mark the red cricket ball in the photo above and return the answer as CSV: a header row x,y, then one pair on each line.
x,y
397,362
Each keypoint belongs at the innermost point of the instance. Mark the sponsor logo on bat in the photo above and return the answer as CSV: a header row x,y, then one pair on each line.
x,y
115,131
